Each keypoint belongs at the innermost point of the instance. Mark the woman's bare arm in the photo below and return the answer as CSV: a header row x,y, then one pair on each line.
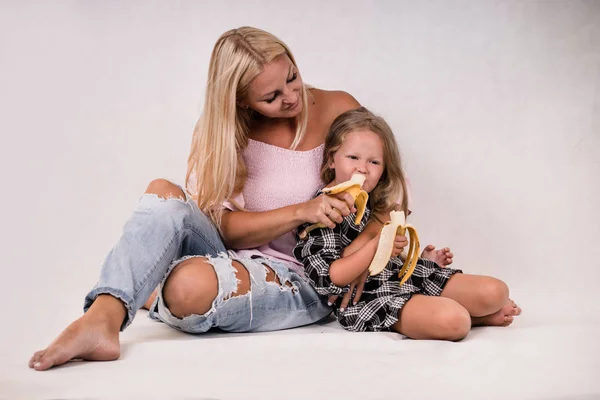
x,y
244,229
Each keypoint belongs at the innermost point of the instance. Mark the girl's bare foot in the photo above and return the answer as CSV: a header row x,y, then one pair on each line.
x,y
94,337
442,257
502,317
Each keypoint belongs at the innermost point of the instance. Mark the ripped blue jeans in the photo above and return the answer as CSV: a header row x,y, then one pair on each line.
x,y
160,234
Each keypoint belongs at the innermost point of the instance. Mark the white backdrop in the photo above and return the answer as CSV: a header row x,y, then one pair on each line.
x,y
496,105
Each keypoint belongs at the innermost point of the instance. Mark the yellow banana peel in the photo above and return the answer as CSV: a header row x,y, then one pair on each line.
x,y
352,186
396,225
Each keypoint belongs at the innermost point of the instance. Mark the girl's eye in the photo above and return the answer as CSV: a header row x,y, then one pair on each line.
x,y
376,162
353,157
269,101
293,78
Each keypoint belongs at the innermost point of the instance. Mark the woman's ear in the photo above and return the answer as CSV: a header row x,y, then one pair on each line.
x,y
242,104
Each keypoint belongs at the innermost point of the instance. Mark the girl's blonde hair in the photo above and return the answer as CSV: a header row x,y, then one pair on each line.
x,y
392,184
216,170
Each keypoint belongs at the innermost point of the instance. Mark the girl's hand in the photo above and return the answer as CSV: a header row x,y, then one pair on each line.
x,y
359,284
442,257
399,244
327,209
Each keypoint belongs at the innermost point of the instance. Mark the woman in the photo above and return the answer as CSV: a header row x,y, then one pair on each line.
x,y
252,172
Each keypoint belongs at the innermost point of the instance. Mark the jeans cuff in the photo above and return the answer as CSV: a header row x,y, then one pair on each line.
x,y
119,294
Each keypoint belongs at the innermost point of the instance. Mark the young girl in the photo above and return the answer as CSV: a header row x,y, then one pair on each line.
x,y
360,142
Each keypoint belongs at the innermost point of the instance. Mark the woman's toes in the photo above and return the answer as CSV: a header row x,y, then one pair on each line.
x,y
36,358
45,362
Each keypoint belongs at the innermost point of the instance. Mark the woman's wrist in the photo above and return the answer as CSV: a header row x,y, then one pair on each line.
x,y
298,214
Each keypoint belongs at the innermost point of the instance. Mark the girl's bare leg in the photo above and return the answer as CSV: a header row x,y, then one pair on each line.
x,y
431,317
485,298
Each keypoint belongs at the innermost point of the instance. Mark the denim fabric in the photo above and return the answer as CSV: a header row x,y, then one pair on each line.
x,y
163,232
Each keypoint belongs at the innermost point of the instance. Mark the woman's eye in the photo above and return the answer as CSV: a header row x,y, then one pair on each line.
x,y
269,101
293,78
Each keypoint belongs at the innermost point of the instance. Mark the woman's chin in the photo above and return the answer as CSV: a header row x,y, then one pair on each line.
x,y
295,112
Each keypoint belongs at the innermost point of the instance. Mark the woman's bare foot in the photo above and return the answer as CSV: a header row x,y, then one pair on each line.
x,y
442,257
94,337
502,317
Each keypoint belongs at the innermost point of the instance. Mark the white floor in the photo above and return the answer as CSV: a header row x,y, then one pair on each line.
x,y
549,353
496,107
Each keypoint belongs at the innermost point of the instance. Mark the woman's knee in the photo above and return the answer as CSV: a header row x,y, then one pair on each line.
x,y
190,288
165,189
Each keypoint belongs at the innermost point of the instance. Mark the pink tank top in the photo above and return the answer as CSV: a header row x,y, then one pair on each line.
x,y
278,177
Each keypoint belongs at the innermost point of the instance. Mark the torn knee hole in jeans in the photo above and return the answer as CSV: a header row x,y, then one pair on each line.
x,y
242,277
272,277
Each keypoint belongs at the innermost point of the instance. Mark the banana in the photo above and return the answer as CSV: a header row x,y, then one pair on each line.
x,y
396,225
354,187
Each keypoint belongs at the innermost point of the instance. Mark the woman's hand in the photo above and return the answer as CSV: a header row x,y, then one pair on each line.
x,y
327,209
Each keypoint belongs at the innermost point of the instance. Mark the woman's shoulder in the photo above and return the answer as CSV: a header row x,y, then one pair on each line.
x,y
326,106
333,102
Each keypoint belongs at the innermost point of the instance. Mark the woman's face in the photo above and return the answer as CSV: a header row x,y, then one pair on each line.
x,y
277,91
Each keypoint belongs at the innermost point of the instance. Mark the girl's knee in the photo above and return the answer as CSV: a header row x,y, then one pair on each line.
x,y
165,189
493,293
454,324
190,288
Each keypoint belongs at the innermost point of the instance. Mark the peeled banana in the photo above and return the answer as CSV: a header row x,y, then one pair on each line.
x,y
396,225
354,187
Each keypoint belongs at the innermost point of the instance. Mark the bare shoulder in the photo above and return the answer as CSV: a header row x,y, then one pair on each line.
x,y
331,103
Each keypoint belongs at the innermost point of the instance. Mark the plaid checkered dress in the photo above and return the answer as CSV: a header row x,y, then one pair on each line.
x,y
383,297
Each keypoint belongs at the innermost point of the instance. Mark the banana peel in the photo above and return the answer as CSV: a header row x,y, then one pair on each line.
x,y
396,225
352,186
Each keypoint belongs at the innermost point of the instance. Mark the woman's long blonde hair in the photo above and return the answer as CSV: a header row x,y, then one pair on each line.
x,y
216,170
392,184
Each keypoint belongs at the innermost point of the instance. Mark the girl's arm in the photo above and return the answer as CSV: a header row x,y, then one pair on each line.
x,y
371,230
356,257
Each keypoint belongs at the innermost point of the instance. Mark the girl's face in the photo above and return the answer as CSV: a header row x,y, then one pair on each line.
x,y
277,91
362,152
